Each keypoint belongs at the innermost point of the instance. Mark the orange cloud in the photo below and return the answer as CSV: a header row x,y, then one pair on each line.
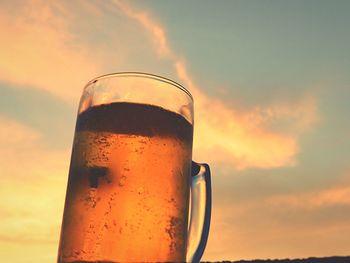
x,y
333,196
254,232
237,138
32,185
157,32
290,225
37,50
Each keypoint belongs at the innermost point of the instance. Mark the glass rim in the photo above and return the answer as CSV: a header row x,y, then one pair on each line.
x,y
143,75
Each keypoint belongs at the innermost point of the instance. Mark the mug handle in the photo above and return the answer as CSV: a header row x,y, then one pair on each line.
x,y
200,207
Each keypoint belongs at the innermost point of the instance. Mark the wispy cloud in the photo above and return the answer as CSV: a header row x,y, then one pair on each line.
x,y
42,52
297,224
336,195
24,145
238,138
157,32
264,231
37,50
32,185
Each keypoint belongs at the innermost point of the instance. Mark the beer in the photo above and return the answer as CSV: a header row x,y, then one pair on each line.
x,y
128,189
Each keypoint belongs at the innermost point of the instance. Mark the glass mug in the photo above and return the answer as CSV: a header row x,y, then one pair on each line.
x,y
134,194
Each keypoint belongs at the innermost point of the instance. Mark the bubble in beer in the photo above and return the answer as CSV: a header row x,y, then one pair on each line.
x,y
140,190
122,180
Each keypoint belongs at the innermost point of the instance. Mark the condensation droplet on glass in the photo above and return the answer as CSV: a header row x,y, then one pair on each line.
x,y
140,190
122,180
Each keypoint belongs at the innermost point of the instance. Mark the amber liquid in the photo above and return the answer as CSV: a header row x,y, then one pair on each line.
x,y
128,190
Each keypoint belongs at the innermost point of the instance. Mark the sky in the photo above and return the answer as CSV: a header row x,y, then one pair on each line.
x,y
271,89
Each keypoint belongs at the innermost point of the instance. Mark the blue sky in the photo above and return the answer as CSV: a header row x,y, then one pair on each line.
x,y
271,87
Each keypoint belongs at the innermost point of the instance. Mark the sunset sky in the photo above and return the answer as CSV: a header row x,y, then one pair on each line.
x,y
271,85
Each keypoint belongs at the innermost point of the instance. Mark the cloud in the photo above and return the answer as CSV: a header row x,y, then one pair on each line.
x,y
336,195
22,145
241,139
37,50
290,225
41,51
157,32
263,232
32,185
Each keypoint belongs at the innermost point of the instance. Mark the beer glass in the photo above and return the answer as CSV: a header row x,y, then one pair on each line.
x,y
134,194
